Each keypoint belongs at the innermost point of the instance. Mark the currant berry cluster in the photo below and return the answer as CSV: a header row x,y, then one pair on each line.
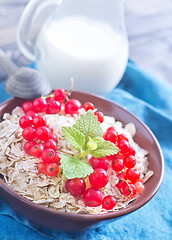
x,y
130,183
92,196
41,142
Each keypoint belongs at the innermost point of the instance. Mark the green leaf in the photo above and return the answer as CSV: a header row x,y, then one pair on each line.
x,y
99,141
106,149
74,168
89,125
94,143
75,137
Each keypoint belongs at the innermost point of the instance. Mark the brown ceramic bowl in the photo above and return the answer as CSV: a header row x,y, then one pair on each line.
x,y
76,222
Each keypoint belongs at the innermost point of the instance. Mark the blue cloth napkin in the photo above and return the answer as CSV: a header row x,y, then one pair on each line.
x,y
151,100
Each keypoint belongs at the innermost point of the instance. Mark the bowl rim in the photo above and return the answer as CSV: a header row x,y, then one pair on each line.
x,y
93,217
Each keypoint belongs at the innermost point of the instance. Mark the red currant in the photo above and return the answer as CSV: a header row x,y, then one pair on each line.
x,y
99,178
116,156
60,95
29,133
133,174
48,156
42,167
58,158
39,121
108,202
122,180
31,113
36,150
117,164
53,136
73,106
53,107
132,151
28,146
40,105
100,116
25,121
92,197
111,128
75,186
52,169
50,143
139,187
27,105
111,135
99,163
88,106
50,97
129,189
130,161
122,137
111,157
43,133
124,147
51,128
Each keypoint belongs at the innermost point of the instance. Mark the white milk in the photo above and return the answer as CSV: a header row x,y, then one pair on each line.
x,y
90,52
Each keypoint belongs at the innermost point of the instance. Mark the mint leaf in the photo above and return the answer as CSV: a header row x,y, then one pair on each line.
x,y
106,149
94,143
89,125
99,141
74,168
75,137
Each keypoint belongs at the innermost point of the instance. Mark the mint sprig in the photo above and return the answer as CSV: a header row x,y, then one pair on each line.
x,y
86,137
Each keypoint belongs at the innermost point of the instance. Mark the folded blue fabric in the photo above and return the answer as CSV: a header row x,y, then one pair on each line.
x,y
151,100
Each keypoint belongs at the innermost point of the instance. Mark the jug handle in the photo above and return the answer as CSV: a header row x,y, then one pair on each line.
x,y
30,13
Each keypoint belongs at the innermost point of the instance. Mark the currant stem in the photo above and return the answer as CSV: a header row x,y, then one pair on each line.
x,y
83,154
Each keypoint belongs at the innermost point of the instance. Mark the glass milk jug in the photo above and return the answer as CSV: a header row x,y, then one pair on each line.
x,y
81,39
